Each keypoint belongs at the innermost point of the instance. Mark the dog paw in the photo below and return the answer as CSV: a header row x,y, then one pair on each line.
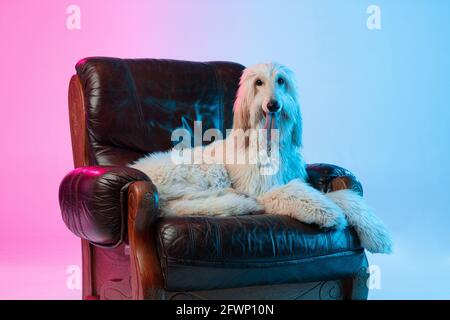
x,y
376,239
329,216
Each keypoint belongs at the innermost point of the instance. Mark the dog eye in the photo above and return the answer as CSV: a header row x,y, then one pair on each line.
x,y
258,82
280,81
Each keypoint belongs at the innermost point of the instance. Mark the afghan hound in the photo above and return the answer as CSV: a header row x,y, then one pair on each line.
x,y
258,167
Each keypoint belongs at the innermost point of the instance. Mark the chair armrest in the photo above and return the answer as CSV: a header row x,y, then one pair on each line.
x,y
145,265
328,178
93,202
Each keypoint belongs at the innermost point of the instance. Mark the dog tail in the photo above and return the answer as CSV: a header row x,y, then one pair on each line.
x,y
372,232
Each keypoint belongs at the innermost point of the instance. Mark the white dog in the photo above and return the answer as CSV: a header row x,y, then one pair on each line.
x,y
269,175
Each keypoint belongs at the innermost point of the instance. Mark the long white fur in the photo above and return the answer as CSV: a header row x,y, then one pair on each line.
x,y
371,231
217,187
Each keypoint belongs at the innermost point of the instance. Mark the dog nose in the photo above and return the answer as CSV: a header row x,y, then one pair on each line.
x,y
273,106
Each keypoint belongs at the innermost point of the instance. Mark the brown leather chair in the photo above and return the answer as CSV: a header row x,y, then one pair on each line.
x,y
122,109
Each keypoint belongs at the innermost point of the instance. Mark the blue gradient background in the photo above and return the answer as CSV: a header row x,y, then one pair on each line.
x,y
375,102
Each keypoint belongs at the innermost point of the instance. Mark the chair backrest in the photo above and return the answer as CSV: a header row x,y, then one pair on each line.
x,y
121,109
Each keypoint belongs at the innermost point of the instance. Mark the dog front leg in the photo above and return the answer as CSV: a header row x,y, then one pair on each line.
x,y
223,202
300,201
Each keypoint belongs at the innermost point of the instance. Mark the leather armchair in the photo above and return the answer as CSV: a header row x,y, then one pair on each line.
x,y
122,109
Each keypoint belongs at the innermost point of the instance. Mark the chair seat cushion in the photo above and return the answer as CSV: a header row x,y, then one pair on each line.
x,y
225,252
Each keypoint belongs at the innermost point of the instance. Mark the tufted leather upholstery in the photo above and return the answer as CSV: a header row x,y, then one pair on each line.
x,y
234,246
247,240
131,108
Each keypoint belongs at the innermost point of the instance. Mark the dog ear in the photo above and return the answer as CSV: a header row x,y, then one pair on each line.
x,y
297,130
241,106
241,114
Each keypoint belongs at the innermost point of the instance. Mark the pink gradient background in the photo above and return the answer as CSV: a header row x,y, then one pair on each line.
x,y
396,79
38,54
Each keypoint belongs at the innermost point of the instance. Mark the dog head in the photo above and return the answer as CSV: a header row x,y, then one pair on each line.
x,y
267,98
